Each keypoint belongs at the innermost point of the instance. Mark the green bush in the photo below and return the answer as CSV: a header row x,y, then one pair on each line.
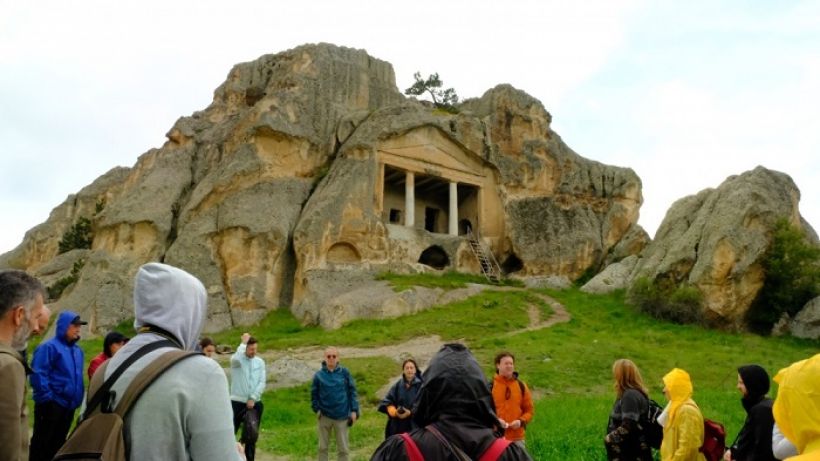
x,y
77,236
791,266
667,301
585,277
54,291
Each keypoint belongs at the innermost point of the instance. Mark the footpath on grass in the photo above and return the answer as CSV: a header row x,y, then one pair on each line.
x,y
293,367
296,366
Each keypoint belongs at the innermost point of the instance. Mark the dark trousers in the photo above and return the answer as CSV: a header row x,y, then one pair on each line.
x,y
51,424
239,409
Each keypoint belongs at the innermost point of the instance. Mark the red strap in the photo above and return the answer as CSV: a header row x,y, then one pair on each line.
x,y
495,450
412,449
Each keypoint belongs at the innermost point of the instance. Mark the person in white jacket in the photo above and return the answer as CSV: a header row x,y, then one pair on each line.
x,y
247,385
177,417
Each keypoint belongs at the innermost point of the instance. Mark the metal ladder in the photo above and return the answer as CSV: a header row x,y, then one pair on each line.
x,y
485,257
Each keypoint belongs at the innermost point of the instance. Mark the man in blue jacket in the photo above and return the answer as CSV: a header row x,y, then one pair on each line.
x,y
333,399
57,381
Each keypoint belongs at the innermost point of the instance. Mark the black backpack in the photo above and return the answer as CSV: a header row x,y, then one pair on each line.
x,y
652,430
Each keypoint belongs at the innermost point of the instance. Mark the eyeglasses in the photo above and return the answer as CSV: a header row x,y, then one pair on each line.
x,y
507,394
330,356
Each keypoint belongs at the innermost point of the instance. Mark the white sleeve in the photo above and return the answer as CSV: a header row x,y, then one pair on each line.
x,y
781,446
237,356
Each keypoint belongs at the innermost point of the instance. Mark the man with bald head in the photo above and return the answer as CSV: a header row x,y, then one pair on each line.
x,y
333,399
22,314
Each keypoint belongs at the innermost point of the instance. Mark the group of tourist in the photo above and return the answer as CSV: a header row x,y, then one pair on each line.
x,y
772,430
448,412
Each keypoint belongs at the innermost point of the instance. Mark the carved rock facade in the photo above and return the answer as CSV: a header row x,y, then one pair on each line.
x,y
310,173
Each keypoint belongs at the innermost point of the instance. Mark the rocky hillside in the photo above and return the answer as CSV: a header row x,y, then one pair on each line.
x,y
259,193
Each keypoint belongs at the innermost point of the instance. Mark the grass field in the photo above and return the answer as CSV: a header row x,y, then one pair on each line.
x,y
566,365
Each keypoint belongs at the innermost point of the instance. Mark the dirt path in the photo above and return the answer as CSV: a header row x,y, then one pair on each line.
x,y
422,349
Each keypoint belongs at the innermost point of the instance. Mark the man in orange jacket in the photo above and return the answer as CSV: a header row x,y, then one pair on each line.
x,y
512,398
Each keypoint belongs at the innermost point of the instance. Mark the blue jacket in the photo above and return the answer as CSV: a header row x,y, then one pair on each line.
x,y
334,393
58,368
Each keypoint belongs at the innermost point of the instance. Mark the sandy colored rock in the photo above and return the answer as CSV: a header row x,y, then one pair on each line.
x,y
806,324
290,191
614,277
715,240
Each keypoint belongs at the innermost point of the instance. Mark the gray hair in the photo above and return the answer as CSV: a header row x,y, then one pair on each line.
x,y
18,288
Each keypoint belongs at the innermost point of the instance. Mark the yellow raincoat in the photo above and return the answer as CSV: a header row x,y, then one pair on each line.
x,y
797,407
683,432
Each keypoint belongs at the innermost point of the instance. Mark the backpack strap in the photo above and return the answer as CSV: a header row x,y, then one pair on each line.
x,y
98,392
456,451
494,452
413,452
147,376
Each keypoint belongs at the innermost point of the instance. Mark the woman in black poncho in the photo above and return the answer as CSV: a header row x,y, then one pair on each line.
x,y
399,401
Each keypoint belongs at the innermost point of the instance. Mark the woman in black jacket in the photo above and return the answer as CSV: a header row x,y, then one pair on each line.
x,y
754,441
399,401
625,439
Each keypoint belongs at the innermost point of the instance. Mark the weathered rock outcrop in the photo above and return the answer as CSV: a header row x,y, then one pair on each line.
x,y
806,324
614,277
287,191
714,240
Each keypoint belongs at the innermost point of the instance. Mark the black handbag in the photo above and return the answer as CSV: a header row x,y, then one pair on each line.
x,y
250,426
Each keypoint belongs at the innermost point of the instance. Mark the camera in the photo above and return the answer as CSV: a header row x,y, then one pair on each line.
x,y
401,410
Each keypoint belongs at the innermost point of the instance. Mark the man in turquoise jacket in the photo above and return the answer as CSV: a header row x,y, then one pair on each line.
x,y
333,399
57,381
247,385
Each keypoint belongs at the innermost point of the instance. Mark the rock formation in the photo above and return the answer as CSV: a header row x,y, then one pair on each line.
x,y
806,324
714,240
310,172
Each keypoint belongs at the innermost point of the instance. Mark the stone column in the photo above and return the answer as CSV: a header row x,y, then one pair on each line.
x,y
453,208
410,200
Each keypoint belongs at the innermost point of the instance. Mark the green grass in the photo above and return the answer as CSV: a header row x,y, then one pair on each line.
x,y
448,280
467,319
291,426
567,365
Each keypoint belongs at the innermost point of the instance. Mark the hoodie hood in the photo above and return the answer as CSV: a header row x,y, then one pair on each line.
x,y
63,321
679,387
454,388
797,407
756,381
171,299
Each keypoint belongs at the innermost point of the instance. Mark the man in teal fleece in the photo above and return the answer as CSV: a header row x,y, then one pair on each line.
x,y
333,399
57,380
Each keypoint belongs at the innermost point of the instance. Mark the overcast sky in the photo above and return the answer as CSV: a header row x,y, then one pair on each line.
x,y
684,93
